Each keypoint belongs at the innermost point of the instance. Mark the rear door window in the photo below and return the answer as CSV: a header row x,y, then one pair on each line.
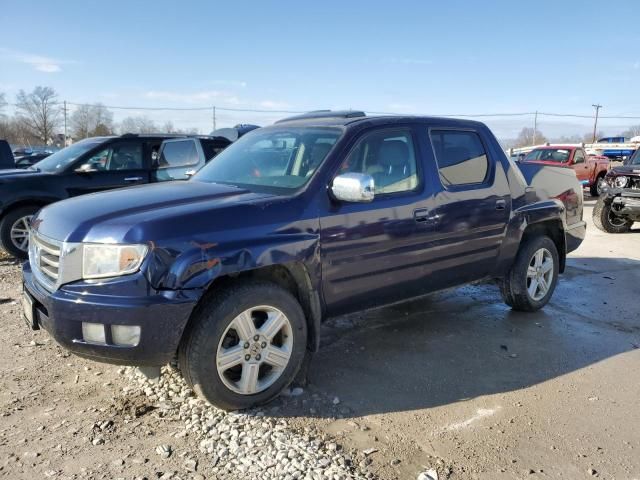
x,y
461,157
179,153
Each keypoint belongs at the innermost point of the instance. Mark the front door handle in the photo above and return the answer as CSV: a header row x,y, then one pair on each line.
x,y
133,179
501,205
424,216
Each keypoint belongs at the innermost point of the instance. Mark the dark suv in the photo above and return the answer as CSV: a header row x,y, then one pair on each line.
x,y
234,270
619,206
90,165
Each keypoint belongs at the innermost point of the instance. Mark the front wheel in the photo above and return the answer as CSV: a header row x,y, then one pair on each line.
x,y
14,231
532,279
245,346
598,187
605,219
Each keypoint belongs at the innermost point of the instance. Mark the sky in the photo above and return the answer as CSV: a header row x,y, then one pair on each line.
x,y
417,57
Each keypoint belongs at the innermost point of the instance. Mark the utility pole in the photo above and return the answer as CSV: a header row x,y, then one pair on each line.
x,y
214,118
64,143
535,128
595,123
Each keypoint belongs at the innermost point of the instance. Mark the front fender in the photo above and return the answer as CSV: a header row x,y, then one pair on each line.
x,y
200,263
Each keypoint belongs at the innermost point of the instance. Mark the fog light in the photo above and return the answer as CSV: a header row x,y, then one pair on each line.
x,y
93,333
125,335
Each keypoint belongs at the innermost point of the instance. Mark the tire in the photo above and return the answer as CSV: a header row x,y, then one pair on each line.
x,y
517,288
604,219
596,188
12,221
212,332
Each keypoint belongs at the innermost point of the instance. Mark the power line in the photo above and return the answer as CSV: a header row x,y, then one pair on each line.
x,y
372,112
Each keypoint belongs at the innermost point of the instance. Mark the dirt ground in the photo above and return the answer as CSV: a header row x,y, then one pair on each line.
x,y
455,382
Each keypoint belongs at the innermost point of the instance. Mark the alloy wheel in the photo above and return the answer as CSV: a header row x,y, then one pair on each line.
x,y
254,350
600,185
20,233
540,274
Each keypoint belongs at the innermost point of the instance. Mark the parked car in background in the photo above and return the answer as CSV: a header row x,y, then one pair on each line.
x,y
28,160
6,156
590,169
619,207
234,133
88,166
181,158
616,153
315,216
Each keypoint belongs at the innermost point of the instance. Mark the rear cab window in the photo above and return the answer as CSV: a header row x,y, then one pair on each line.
x,y
460,156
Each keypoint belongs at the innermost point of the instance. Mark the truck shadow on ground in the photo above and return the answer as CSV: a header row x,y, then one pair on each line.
x,y
465,343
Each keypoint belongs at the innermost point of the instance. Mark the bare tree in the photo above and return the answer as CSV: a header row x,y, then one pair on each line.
x,y
525,138
91,120
3,104
39,112
633,131
588,137
168,127
138,124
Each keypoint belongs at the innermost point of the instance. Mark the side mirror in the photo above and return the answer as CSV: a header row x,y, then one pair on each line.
x,y
353,187
85,168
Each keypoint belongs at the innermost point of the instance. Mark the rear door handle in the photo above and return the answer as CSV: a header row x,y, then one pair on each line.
x,y
133,179
501,205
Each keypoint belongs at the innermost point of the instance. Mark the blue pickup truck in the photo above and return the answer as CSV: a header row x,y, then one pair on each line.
x,y
233,271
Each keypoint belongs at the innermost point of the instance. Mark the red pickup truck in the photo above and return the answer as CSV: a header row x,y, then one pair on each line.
x,y
590,169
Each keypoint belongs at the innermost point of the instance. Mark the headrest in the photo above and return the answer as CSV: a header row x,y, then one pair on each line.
x,y
394,153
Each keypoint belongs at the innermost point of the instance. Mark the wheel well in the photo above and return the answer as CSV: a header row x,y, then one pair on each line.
x,y
552,229
23,203
292,277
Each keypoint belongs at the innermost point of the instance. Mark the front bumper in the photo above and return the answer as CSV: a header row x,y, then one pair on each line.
x,y
626,201
162,317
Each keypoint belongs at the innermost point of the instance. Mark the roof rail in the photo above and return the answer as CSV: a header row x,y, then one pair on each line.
x,y
325,114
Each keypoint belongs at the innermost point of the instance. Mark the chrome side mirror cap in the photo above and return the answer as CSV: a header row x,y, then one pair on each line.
x,y
353,187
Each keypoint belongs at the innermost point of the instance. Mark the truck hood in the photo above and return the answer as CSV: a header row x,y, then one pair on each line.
x,y
135,214
626,170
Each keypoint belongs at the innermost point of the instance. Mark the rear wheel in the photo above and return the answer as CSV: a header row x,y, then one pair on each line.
x,y
605,219
532,279
246,345
597,188
14,231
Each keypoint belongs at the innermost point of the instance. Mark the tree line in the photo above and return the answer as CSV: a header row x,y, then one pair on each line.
x,y
39,120
526,137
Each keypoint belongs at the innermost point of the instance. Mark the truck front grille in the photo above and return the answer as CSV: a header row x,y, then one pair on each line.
x,y
44,257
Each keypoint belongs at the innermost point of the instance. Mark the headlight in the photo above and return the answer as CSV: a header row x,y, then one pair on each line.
x,y
101,260
621,181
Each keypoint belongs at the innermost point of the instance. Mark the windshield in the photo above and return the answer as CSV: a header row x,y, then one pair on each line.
x,y
559,155
273,159
59,160
635,158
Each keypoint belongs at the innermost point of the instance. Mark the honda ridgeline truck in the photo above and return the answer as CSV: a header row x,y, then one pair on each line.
x,y
315,216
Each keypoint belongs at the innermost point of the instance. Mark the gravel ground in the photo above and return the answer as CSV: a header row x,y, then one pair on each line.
x,y
68,418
